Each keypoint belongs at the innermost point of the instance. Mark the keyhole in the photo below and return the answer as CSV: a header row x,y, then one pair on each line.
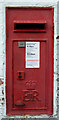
x,y
19,75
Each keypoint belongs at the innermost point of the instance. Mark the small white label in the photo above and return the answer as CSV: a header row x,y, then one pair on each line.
x,y
32,54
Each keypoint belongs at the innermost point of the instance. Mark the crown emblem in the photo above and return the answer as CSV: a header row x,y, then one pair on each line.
x,y
30,84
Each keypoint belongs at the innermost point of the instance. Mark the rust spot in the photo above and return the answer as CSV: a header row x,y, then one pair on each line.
x,y
2,103
3,99
57,37
1,82
2,92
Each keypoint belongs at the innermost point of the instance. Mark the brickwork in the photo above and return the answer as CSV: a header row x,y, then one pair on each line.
x,y
58,57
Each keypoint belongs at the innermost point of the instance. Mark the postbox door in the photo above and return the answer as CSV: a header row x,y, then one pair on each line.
x,y
29,83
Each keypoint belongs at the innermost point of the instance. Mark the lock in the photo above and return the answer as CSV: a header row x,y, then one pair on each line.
x,y
20,75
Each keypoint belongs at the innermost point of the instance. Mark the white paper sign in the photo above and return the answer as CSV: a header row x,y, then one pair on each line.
x,y
32,54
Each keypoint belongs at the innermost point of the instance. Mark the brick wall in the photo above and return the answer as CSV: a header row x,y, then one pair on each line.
x,y
58,57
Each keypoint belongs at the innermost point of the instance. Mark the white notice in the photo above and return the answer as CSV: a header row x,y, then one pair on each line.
x,y
32,54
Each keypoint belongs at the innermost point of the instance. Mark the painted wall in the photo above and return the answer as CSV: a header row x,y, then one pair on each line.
x,y
37,3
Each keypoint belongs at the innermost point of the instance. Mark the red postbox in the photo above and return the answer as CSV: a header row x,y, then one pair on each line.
x,y
29,60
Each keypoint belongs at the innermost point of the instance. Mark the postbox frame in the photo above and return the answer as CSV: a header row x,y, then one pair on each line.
x,y
13,112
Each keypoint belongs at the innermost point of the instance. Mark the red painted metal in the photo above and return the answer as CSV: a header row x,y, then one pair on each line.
x,y
32,92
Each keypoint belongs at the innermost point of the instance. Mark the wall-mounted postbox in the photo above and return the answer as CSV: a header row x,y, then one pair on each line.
x,y
29,60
